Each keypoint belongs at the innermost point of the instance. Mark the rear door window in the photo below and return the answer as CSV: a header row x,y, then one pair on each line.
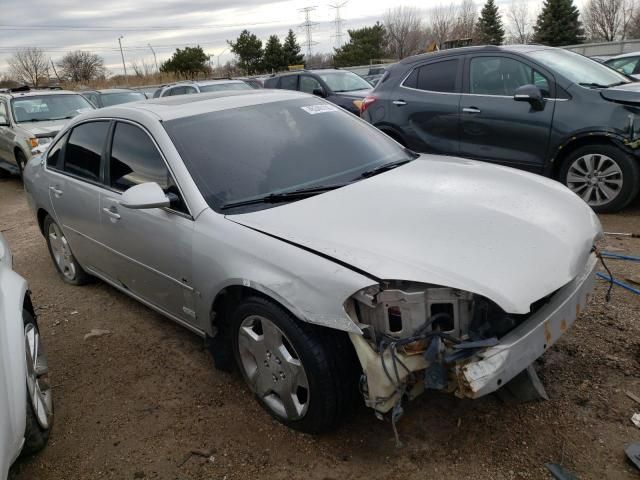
x,y
290,82
84,150
309,84
435,77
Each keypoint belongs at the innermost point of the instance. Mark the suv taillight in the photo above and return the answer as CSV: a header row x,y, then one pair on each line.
x,y
366,103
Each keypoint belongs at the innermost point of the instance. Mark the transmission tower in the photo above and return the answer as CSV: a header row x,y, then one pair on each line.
x,y
338,22
308,27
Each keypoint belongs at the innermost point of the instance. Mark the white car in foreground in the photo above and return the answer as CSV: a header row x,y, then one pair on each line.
x,y
26,408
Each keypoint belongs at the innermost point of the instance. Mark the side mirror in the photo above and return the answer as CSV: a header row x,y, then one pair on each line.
x,y
531,94
145,196
320,92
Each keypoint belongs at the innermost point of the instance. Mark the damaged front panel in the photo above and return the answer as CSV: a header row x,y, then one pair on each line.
x,y
418,337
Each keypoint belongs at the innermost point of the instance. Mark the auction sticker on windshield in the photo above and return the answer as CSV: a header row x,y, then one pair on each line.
x,y
314,109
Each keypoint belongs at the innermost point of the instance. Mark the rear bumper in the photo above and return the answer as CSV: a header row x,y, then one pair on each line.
x,y
487,371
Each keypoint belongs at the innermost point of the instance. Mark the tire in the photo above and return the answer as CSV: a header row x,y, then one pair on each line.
x,y
314,369
65,262
38,427
586,166
21,161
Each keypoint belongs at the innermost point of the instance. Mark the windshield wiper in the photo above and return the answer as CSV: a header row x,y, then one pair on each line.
x,y
598,85
385,167
283,196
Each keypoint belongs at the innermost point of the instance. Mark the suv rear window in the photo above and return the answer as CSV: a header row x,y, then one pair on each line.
x,y
434,77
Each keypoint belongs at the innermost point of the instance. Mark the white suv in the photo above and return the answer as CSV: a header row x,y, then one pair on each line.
x,y
26,410
204,86
30,119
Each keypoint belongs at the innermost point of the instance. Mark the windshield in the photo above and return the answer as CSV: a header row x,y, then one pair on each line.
x,y
218,87
578,69
109,99
249,152
344,81
48,107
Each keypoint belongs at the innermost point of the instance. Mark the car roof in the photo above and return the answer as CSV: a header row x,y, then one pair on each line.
x,y
116,90
169,108
203,82
475,49
38,93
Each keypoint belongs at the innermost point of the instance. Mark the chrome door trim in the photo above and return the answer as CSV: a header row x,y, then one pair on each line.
x,y
129,259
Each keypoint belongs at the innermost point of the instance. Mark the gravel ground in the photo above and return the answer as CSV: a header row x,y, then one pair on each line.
x,y
135,402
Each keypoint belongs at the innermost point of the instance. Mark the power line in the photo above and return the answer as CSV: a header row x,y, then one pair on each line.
x,y
104,28
338,22
308,26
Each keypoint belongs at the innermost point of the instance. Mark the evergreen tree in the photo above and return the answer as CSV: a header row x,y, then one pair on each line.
x,y
291,48
187,62
558,24
490,30
248,49
364,44
273,58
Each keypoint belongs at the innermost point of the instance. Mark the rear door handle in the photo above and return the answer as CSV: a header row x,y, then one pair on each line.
x,y
56,191
471,110
112,212
399,103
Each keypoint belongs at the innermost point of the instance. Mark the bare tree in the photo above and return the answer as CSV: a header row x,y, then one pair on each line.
x,y
464,26
82,66
142,68
29,65
404,30
441,22
520,21
608,20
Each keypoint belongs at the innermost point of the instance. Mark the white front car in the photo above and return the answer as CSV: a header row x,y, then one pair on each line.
x,y
25,401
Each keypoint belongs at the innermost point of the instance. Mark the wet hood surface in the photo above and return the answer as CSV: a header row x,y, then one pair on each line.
x,y
508,235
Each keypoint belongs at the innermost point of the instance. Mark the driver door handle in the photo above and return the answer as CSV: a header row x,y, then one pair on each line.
x,y
471,110
56,191
112,212
399,103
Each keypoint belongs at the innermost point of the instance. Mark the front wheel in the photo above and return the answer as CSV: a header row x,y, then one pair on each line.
x,y
39,399
603,176
21,161
303,375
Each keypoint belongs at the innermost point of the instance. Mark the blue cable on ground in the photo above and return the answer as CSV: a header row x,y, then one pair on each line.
x,y
618,282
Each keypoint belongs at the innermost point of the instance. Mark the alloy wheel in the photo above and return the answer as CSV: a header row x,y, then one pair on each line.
x,y
61,252
596,178
37,384
272,368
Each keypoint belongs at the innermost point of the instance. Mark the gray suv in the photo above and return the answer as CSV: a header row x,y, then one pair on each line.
x,y
542,109
30,120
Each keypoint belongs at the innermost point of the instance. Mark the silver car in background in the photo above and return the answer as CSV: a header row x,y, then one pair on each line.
x,y
30,120
26,405
325,258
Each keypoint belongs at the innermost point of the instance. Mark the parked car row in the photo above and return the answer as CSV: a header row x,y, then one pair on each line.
x,y
264,245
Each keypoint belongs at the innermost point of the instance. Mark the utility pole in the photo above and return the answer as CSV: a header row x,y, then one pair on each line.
x,y
338,22
154,56
308,27
54,69
219,58
122,55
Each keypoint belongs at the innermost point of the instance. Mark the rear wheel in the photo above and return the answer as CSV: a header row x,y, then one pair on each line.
x,y
63,259
603,176
303,375
39,399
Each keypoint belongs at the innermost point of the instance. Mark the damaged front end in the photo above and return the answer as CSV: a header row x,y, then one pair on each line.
x,y
420,336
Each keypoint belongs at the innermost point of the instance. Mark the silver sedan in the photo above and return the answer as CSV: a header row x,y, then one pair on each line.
x,y
325,259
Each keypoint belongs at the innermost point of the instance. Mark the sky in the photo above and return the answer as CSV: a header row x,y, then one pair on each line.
x,y
58,26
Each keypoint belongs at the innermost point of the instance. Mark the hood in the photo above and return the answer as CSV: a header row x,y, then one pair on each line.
x,y
627,93
355,94
43,129
508,235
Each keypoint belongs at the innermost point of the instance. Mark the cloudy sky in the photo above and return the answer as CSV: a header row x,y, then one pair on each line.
x,y
58,26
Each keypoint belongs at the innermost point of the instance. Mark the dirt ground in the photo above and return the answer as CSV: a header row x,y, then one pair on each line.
x,y
133,403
